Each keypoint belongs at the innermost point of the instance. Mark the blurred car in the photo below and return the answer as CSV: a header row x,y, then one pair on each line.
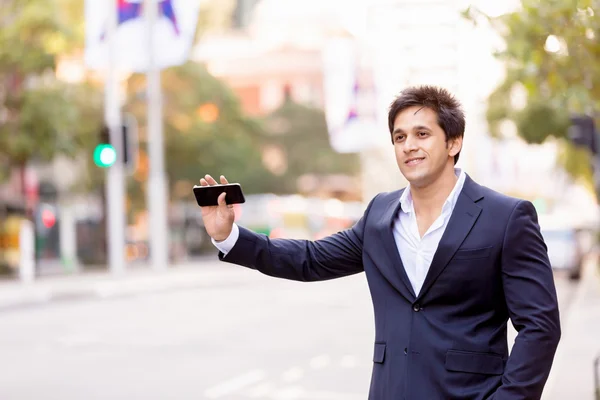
x,y
565,249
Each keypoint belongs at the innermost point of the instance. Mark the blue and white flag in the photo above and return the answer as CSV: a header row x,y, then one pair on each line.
x,y
349,97
173,33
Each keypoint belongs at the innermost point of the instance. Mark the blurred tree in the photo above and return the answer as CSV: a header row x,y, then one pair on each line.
x,y
552,56
215,16
40,116
299,136
205,132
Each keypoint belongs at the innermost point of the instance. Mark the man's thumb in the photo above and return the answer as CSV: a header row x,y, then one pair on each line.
x,y
221,200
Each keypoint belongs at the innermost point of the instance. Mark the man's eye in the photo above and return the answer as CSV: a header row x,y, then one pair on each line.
x,y
422,133
398,138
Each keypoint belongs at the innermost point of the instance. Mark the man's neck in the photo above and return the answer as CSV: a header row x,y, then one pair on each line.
x,y
431,198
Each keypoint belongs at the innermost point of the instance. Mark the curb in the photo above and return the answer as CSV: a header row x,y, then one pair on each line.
x,y
35,294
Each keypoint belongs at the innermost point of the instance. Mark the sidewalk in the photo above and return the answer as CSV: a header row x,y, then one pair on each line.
x,y
572,374
103,285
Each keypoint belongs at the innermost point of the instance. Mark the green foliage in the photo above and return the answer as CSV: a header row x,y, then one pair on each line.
x,y
576,161
552,51
232,144
41,117
31,34
51,120
194,145
301,132
539,120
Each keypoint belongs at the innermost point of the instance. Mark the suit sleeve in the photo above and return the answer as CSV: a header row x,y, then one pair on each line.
x,y
335,256
532,306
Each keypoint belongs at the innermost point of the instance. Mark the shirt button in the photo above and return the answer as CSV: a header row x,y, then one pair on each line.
x,y
416,307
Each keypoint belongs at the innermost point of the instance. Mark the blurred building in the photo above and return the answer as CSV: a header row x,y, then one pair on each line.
x,y
259,69
280,45
272,51
261,77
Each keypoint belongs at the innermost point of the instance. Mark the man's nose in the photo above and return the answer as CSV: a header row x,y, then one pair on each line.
x,y
410,144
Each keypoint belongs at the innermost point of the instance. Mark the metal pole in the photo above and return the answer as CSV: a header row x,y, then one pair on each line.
x,y
115,182
27,251
157,192
597,377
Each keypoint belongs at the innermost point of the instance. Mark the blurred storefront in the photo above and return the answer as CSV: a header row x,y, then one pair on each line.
x,y
297,217
11,215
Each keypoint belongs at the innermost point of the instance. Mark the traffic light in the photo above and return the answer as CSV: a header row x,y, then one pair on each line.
x,y
48,218
105,153
582,132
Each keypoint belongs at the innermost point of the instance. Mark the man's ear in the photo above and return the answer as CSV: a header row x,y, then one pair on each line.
x,y
454,146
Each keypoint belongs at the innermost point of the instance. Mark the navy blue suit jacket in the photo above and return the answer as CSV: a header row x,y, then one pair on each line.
x,y
450,341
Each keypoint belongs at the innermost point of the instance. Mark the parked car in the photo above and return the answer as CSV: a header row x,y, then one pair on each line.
x,y
564,250
568,243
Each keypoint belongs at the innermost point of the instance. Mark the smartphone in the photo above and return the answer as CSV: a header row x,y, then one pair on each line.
x,y
208,195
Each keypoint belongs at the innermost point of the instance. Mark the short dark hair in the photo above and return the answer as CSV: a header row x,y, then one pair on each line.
x,y
451,117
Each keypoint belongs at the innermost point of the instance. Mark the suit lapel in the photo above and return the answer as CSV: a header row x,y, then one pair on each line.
x,y
394,269
465,213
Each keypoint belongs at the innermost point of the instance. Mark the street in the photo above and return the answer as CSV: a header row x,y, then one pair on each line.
x,y
240,336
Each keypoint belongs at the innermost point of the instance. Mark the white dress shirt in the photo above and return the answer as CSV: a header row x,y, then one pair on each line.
x,y
416,252
226,245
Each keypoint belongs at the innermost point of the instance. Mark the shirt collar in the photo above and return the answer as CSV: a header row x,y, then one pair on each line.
x,y
406,202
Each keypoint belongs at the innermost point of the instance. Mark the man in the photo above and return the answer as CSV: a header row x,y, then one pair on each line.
x,y
447,261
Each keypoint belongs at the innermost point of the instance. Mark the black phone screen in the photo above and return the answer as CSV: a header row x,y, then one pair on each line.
x,y
208,195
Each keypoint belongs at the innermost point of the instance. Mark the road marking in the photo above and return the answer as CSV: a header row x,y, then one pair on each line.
x,y
349,361
79,340
293,374
261,391
235,384
289,393
299,393
323,395
320,362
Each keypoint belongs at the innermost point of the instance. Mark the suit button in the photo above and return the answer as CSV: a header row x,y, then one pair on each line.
x,y
405,351
416,307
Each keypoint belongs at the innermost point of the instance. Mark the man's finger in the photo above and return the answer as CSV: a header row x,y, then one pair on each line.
x,y
210,180
221,200
224,180
203,182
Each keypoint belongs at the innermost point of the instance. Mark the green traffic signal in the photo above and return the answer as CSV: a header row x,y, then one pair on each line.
x,y
105,155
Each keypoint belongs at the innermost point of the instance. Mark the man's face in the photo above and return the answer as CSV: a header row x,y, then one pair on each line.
x,y
420,144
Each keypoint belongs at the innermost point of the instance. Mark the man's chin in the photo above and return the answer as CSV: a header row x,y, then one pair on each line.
x,y
416,180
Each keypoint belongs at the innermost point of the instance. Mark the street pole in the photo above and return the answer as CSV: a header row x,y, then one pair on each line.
x,y
157,201
115,182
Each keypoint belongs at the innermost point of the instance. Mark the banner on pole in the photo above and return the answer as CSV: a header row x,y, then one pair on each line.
x,y
173,33
350,97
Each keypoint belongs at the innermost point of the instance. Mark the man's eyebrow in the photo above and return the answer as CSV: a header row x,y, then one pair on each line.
x,y
421,127
414,128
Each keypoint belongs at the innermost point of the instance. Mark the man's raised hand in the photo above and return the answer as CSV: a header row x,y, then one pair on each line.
x,y
218,220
